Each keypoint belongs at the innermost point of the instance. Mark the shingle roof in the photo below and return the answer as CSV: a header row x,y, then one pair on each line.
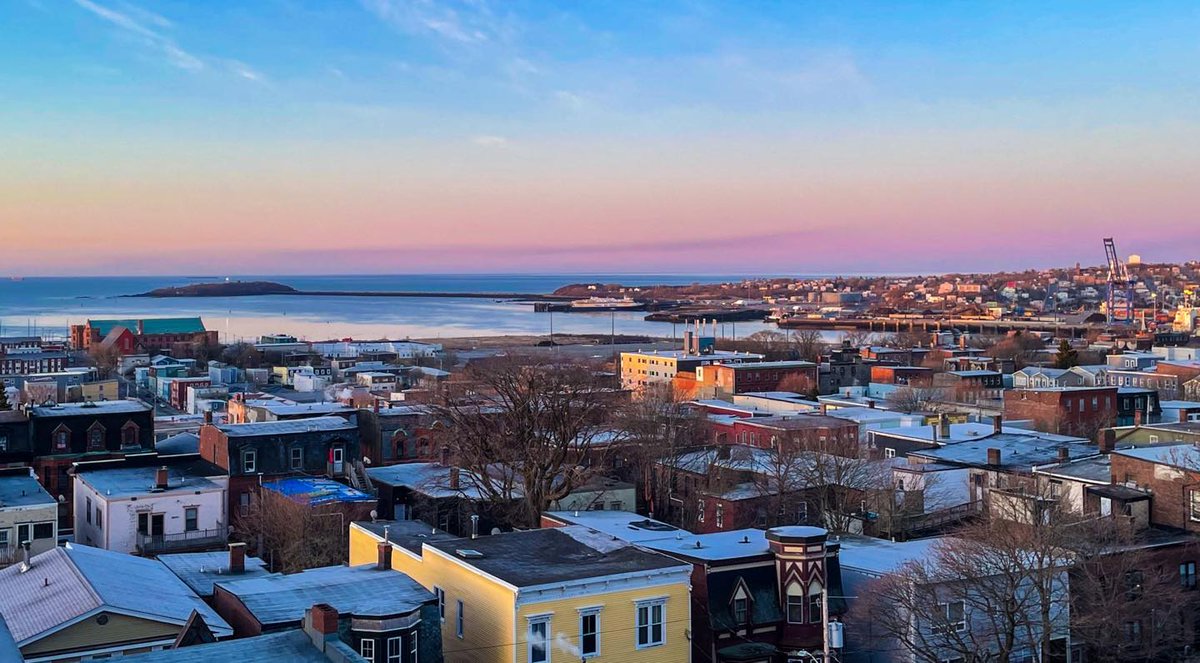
x,y
66,583
353,590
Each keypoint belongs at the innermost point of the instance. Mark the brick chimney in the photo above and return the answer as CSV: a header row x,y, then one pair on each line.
x,y
1107,441
237,557
944,426
824,409
208,417
385,556
323,618
993,456
871,404
1064,454
160,478
454,478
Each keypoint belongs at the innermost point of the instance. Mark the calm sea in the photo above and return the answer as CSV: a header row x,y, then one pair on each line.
x,y
47,305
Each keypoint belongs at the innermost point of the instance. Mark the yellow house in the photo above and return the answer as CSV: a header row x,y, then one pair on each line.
x,y
553,595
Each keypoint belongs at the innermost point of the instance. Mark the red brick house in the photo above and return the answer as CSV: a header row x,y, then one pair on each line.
x,y
1080,411
727,379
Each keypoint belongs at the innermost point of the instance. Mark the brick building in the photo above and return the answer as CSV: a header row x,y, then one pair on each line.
x,y
913,376
149,334
1081,411
716,380
800,431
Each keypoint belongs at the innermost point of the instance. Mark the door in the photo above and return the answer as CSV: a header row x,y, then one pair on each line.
x,y
156,525
338,455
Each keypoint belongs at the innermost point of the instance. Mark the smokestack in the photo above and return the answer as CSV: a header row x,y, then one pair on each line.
x,y
944,426
385,556
687,341
993,456
454,478
160,478
997,424
208,417
26,560
474,526
237,557
1064,454
141,327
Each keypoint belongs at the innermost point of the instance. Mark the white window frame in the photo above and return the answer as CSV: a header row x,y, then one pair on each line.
x,y
296,458
414,652
541,622
249,461
460,622
395,650
957,626
441,600
1194,506
649,605
5,537
594,613
800,599
367,652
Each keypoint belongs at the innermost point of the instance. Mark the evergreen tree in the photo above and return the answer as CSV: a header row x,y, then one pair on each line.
x,y
1067,355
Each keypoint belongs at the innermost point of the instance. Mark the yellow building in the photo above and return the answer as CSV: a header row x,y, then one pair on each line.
x,y
542,596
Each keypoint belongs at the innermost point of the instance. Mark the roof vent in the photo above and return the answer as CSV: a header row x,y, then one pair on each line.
x,y
468,553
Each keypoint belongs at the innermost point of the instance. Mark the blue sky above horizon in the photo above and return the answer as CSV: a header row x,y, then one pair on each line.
x,y
398,136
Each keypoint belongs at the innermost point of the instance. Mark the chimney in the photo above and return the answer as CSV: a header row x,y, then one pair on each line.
x,y
962,341
237,557
26,559
454,479
1137,417
1107,440
208,417
687,341
474,526
871,404
944,426
375,405
993,456
322,618
1064,454
935,433
385,556
141,328
824,409
997,424
723,452
160,478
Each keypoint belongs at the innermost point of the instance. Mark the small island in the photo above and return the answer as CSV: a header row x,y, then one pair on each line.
x,y
222,289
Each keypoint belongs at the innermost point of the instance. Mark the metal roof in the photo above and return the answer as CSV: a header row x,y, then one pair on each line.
x,y
64,584
151,325
363,591
287,427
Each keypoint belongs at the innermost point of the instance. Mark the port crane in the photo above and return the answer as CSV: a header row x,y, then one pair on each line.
x,y
1118,283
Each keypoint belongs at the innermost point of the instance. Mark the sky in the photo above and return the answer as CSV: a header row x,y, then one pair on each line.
x,y
404,136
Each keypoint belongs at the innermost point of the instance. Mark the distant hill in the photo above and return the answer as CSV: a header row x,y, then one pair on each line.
x,y
222,289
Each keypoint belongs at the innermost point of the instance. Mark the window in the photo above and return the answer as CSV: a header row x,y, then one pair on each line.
x,y
720,516
441,597
393,650
367,649
795,604
95,437
1133,633
297,458
129,435
87,509
815,600
952,617
740,610
650,623
191,516
43,531
1187,575
589,632
3,440
889,452
249,461
1133,585
699,511
537,642
458,626
99,518
4,540
62,440
413,648
24,533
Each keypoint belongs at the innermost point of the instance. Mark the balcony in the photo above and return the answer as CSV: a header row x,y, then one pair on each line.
x,y
196,540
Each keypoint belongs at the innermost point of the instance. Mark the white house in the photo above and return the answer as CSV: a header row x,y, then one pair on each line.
x,y
139,505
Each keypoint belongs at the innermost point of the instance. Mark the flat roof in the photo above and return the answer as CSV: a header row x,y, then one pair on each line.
x,y
408,534
684,354
201,570
625,525
289,409
880,556
718,546
555,554
1185,455
316,491
22,489
1093,469
91,408
288,427
430,479
1016,451
119,482
364,591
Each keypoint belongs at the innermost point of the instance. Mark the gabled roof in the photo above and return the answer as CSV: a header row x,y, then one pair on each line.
x,y
292,646
66,584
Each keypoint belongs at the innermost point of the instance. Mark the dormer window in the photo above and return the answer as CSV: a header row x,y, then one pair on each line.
x,y
741,610
95,437
62,438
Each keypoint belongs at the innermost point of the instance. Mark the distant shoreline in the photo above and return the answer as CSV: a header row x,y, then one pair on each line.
x,y
265,288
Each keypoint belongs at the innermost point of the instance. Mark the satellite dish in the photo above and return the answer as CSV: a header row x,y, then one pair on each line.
x,y
374,514
495,531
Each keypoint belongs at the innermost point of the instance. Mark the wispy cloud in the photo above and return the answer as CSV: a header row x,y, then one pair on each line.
x,y
465,22
140,28
491,141
243,70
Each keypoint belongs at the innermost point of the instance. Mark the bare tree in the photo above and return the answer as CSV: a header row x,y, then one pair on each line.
x,y
530,435
807,344
106,358
292,537
653,431
914,399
